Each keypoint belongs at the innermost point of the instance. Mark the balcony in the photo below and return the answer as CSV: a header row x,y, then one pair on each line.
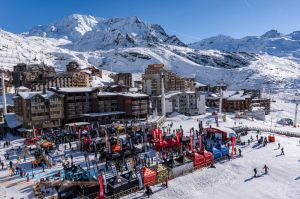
x,y
39,118
37,104
56,116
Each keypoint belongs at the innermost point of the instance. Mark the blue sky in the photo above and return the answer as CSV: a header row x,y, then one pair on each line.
x,y
190,20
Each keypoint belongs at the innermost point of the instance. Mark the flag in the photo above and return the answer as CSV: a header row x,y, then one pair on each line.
x,y
101,191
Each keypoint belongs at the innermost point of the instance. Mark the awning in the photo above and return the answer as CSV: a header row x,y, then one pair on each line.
x,y
229,132
12,120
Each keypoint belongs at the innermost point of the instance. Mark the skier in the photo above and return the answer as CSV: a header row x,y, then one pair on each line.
x,y
240,152
248,141
148,191
255,172
165,183
27,177
282,152
278,145
266,168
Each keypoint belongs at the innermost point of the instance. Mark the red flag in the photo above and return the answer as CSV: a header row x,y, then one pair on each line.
x,y
232,144
101,190
154,134
160,137
200,142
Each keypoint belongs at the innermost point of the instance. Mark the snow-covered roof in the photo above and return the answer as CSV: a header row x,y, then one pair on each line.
x,y
107,94
86,71
12,120
74,89
197,84
134,94
22,88
29,95
103,114
172,93
235,95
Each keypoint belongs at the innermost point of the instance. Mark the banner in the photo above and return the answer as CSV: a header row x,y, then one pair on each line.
x,y
138,174
232,144
114,170
154,134
191,144
104,182
128,165
101,191
160,137
200,142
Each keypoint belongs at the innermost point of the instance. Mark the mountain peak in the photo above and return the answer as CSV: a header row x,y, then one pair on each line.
x,y
271,34
94,33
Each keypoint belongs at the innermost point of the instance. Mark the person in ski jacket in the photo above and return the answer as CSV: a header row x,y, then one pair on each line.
x,y
282,151
266,168
255,172
240,152
278,145
148,191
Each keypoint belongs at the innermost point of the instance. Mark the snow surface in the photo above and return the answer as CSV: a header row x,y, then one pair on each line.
x,y
272,43
233,179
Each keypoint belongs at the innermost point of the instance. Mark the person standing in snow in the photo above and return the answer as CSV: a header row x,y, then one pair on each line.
x,y
282,151
266,168
278,145
240,152
255,172
148,191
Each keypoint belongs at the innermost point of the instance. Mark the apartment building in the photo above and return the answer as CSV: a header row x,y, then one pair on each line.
x,y
77,101
123,79
152,80
186,103
231,100
39,109
25,75
135,105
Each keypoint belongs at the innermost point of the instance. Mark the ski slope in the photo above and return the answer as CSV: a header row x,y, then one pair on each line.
x,y
234,179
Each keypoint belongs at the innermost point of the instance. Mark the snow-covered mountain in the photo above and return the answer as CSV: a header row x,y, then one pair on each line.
x,y
90,33
271,43
129,45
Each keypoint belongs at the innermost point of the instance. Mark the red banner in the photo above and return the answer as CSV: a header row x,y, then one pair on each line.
x,y
160,137
200,142
101,190
154,134
232,144
178,136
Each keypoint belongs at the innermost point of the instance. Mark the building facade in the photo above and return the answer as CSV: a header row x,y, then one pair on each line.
x,y
123,79
77,101
39,109
152,80
135,105
25,75
187,103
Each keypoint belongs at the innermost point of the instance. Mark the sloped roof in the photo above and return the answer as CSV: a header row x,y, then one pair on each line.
x,y
29,95
12,120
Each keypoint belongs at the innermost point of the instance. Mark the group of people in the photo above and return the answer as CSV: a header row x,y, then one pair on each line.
x,y
265,168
